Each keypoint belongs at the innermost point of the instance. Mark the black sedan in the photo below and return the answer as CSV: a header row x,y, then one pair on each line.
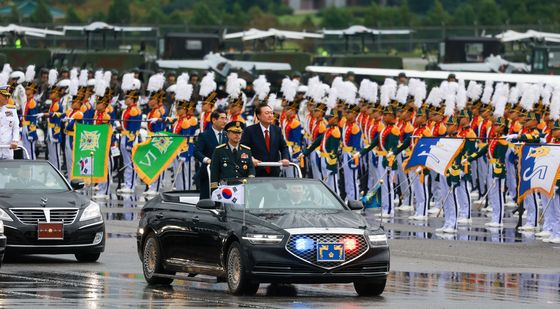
x,y
286,231
2,242
42,213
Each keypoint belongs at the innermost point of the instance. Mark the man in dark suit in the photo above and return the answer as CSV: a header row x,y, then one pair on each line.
x,y
266,142
204,148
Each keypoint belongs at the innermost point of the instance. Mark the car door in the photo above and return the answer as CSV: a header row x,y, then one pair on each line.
x,y
211,229
176,231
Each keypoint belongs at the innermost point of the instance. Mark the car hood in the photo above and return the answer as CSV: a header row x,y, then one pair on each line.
x,y
67,199
287,219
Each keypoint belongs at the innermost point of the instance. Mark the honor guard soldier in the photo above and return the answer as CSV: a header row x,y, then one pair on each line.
x,y
9,125
419,182
130,127
404,123
465,199
103,116
56,112
231,160
291,126
209,97
328,143
185,126
156,118
73,115
30,114
317,126
18,91
236,98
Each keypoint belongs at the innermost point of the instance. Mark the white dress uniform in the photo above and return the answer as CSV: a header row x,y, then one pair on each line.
x,y
9,131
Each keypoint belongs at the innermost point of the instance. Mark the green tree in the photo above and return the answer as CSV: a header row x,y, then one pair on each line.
x,y
15,16
72,16
489,13
307,23
438,15
336,18
261,20
97,16
41,15
156,16
464,15
119,12
203,16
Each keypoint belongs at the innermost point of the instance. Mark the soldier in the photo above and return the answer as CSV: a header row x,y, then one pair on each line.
x,y
291,126
30,114
103,116
130,127
56,112
553,211
186,126
231,160
9,126
236,98
328,143
318,127
18,91
465,201
73,115
209,97
404,123
156,117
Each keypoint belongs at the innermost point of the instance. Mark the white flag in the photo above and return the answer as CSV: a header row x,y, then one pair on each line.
x,y
435,153
538,169
229,194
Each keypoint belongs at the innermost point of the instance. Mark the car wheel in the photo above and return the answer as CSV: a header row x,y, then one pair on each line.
x,y
370,287
87,257
239,282
151,262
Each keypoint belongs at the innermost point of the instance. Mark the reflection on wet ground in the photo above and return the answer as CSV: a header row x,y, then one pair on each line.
x,y
403,289
128,207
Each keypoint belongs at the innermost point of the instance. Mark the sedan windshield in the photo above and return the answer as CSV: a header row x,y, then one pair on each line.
x,y
25,176
289,194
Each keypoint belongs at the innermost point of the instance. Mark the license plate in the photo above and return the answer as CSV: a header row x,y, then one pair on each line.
x,y
330,252
50,231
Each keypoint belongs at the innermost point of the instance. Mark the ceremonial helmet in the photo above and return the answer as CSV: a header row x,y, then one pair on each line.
x,y
235,126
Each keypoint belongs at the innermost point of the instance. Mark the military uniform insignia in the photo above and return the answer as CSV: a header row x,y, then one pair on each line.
x,y
244,156
9,113
225,164
245,167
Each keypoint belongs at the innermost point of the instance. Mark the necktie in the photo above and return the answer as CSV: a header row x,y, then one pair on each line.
x,y
235,153
221,138
267,142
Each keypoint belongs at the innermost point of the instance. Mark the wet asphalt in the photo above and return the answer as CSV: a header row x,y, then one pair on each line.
x,y
476,267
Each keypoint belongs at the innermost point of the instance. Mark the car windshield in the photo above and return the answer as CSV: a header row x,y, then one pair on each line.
x,y
26,176
289,194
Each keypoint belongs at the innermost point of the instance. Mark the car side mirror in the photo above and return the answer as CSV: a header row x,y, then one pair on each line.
x,y
355,205
77,184
207,204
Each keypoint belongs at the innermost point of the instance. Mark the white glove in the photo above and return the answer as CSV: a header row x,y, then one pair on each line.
x,y
356,155
390,154
153,120
39,115
543,140
511,137
418,169
182,159
65,119
464,161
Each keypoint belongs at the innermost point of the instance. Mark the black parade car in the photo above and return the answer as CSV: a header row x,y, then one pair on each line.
x,y
43,214
286,231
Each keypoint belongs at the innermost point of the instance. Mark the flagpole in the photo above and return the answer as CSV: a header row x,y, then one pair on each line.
x,y
91,175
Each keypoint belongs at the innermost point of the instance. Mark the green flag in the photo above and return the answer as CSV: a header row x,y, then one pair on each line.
x,y
153,156
91,152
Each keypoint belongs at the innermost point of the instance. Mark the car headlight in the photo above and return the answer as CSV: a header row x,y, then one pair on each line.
x,y
4,216
91,212
378,240
1,227
263,239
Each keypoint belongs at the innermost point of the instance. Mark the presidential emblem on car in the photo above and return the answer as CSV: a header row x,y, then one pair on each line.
x,y
44,201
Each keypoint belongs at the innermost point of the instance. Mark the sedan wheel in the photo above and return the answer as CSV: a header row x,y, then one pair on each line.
x,y
151,262
239,282
370,287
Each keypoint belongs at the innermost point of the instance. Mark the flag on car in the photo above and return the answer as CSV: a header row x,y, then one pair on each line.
x,y
90,152
229,194
435,153
153,156
538,169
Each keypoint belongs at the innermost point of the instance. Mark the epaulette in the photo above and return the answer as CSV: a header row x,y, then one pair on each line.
x,y
243,146
221,146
